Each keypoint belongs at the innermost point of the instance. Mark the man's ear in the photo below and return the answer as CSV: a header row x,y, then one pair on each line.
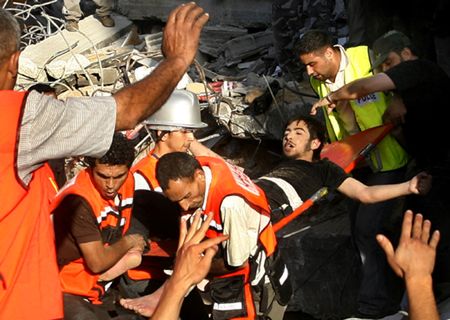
x,y
199,175
315,144
329,52
162,135
13,66
406,54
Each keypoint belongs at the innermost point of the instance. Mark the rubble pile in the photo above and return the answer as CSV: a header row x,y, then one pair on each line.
x,y
236,77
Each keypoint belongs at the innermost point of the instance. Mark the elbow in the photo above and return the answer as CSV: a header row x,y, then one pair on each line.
x,y
365,198
126,121
95,267
126,117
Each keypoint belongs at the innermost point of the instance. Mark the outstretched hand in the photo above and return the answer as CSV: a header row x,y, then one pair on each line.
x,y
194,256
322,102
421,183
182,32
416,252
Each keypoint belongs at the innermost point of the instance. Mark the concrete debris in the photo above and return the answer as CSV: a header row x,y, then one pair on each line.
x,y
229,12
213,38
246,46
92,37
153,41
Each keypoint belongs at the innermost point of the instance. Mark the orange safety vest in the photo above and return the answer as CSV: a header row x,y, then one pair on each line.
x,y
29,283
228,180
75,277
146,167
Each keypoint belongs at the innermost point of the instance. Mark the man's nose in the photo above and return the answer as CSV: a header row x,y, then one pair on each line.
x,y
184,204
309,70
110,183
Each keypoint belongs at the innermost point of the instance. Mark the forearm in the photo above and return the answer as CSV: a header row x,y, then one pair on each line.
x,y
107,256
171,299
362,87
384,192
139,100
130,260
198,149
421,299
354,90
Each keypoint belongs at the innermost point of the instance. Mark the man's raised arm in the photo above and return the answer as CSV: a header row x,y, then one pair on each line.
x,y
180,42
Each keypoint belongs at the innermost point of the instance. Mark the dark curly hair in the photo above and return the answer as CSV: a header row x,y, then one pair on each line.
x,y
120,152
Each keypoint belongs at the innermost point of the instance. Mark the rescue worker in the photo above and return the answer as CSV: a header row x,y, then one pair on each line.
x,y
35,128
154,215
330,67
419,83
241,211
91,215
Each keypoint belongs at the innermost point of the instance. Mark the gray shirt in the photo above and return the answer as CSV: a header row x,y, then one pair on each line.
x,y
53,129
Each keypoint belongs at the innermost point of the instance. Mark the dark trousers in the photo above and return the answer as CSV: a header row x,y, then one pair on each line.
x,y
380,290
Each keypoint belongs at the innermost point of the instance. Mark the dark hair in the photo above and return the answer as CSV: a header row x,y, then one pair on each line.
x,y
174,166
42,88
9,35
120,152
316,131
311,41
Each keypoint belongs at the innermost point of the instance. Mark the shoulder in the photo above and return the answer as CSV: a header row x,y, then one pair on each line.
x,y
72,208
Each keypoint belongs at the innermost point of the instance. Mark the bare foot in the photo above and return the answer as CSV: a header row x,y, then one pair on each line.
x,y
144,306
129,261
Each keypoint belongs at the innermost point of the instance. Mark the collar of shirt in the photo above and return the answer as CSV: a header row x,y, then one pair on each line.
x,y
340,78
208,179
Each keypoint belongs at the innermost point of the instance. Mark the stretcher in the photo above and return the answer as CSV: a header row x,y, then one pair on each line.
x,y
346,153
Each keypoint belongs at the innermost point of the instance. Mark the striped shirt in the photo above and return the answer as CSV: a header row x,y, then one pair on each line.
x,y
53,129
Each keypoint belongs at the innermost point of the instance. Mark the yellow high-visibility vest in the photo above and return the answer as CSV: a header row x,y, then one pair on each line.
x,y
388,154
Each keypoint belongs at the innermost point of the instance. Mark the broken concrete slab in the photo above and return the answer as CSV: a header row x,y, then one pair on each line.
x,y
242,47
213,38
94,34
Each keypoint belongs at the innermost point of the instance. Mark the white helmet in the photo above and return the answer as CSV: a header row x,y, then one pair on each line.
x,y
181,111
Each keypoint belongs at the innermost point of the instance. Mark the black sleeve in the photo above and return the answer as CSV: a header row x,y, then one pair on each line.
x,y
333,175
407,75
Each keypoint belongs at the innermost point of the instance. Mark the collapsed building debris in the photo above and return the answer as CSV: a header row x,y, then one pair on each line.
x,y
232,76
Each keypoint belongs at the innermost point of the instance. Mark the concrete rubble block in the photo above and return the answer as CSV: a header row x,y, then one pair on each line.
x,y
108,56
92,33
213,38
104,76
153,41
246,46
28,70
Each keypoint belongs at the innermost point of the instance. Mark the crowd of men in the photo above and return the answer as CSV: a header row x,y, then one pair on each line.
x,y
80,252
